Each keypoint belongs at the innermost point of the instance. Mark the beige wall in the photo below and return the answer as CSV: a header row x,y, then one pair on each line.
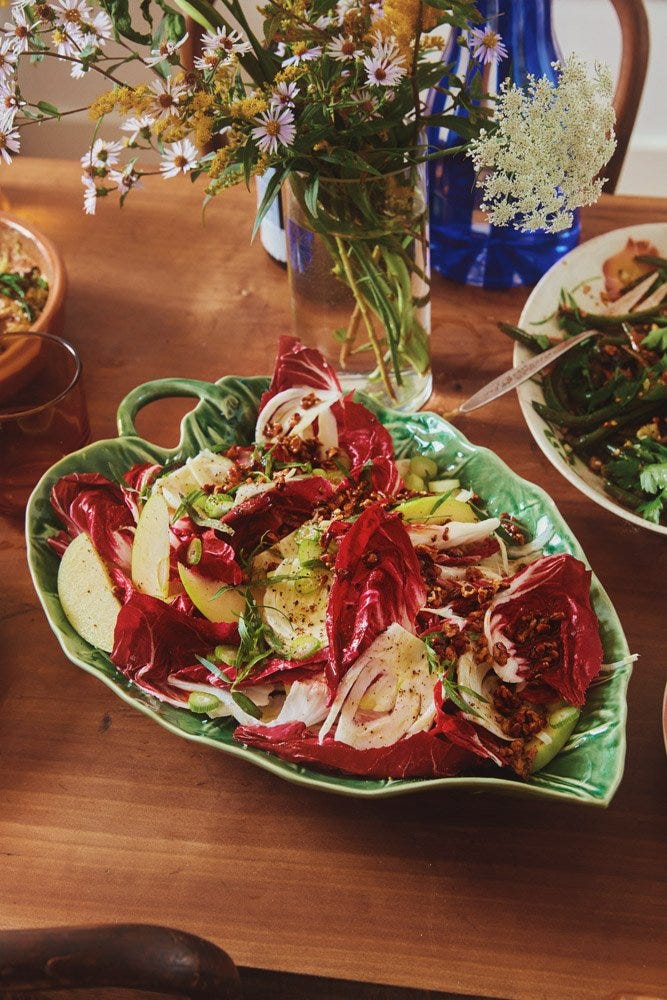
x,y
586,26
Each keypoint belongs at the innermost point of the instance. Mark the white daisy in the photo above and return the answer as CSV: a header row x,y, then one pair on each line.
x,y
20,29
303,56
8,57
65,45
165,50
125,179
284,94
178,158
9,97
275,126
99,30
342,49
102,154
384,66
78,70
89,195
367,102
10,140
135,126
167,96
209,60
225,43
72,16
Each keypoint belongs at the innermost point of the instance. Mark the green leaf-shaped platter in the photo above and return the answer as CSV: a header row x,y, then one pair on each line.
x,y
588,769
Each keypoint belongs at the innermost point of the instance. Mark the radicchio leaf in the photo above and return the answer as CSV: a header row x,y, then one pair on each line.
x,y
368,444
153,640
377,581
272,515
424,755
217,559
299,366
87,502
274,670
567,653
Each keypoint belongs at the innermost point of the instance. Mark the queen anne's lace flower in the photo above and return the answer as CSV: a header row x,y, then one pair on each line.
x,y
550,141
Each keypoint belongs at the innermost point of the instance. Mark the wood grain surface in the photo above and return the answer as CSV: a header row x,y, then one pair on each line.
x,y
104,816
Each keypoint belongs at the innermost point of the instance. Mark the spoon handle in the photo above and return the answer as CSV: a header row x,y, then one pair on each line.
x,y
515,376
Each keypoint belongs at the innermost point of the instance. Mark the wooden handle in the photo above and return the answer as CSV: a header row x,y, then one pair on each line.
x,y
632,74
128,956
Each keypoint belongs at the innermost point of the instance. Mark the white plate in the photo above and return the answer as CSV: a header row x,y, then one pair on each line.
x,y
581,265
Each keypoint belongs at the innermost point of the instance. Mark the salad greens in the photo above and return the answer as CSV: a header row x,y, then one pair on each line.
x,y
329,604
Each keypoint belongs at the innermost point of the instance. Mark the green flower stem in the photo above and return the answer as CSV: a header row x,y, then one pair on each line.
x,y
365,312
350,335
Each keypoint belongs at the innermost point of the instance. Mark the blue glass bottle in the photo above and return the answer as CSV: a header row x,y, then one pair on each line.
x,y
464,246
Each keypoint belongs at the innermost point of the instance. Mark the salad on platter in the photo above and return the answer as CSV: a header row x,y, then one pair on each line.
x,y
607,397
339,608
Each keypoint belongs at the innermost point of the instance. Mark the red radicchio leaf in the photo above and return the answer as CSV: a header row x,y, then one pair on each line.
x,y
424,755
464,733
555,589
377,581
470,554
217,560
298,366
153,640
275,671
87,502
135,480
368,443
275,513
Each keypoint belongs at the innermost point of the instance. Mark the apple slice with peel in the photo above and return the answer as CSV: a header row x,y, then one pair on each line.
x,y
550,741
225,607
86,593
150,551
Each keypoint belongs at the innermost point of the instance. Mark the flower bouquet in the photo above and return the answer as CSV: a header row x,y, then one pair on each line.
x,y
332,100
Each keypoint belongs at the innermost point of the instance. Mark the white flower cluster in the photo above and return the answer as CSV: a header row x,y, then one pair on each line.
x,y
550,142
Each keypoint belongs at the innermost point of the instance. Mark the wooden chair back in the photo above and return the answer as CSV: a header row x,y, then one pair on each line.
x,y
631,78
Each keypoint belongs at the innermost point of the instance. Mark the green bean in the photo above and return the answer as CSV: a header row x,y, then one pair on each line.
x,y
625,497
588,441
647,258
535,343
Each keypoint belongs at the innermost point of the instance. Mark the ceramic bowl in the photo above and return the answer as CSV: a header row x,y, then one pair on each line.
x,y
47,257
587,770
580,271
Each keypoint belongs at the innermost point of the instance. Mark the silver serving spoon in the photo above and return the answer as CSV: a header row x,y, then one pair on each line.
x,y
516,376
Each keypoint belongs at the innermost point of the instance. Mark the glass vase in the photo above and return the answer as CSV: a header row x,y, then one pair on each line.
x,y
358,265
464,246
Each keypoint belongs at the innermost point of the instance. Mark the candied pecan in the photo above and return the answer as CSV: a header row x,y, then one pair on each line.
x,y
500,653
310,400
519,757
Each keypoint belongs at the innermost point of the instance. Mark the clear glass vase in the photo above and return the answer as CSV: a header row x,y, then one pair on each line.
x,y
464,246
358,264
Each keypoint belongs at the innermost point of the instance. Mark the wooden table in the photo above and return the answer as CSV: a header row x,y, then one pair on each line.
x,y
107,817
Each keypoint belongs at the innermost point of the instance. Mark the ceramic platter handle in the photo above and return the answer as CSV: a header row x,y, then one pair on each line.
x,y
149,392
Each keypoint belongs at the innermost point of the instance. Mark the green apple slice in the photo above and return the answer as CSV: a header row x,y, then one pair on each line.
x,y
150,552
550,741
206,597
86,593
436,509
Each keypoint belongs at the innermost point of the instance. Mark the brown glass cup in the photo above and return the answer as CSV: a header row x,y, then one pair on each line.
x,y
43,413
